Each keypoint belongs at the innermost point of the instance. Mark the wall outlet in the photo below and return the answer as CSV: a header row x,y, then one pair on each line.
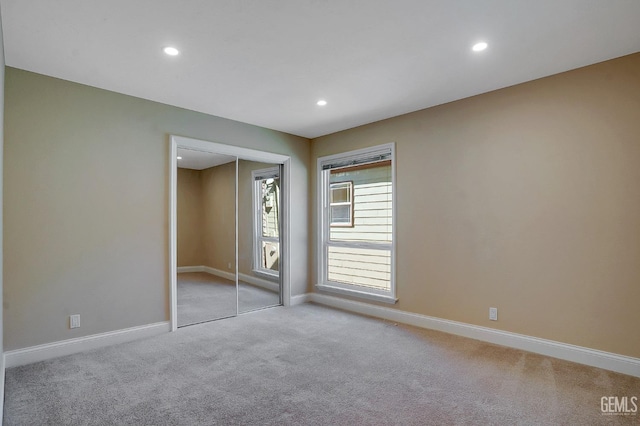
x,y
74,321
493,314
229,265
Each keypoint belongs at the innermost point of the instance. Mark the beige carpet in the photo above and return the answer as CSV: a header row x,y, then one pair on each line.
x,y
310,365
205,297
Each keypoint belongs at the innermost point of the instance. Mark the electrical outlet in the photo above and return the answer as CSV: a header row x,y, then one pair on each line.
x,y
493,314
74,321
229,265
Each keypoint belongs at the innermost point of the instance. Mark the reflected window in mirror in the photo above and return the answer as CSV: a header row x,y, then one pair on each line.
x,y
266,219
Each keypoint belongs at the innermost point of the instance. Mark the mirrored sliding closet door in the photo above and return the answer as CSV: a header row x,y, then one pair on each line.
x,y
206,236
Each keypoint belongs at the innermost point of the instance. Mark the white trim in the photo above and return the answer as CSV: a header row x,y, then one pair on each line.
x,y
186,269
209,270
232,150
592,357
47,351
355,293
219,273
259,282
240,153
394,221
256,212
267,275
237,238
285,234
173,232
301,298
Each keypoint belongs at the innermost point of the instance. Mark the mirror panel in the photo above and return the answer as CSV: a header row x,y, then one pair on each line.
x,y
206,234
259,218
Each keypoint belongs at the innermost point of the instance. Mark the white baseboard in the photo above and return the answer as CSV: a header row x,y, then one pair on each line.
x,y
592,357
219,273
181,269
209,270
259,282
250,279
47,351
300,299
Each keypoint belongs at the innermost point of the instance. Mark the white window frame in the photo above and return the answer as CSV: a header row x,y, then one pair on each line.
x,y
324,227
349,203
258,238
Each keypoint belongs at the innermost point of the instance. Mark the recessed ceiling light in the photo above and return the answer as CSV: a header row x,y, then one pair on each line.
x,y
479,47
321,102
171,51
179,158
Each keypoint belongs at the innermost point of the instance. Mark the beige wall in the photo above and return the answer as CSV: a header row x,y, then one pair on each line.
x,y
190,216
86,181
526,199
206,209
219,216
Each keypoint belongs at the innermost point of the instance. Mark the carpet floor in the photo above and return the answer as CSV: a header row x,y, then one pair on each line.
x,y
205,297
310,365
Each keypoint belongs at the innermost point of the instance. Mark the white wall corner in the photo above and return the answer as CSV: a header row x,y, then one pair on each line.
x,y
592,357
47,351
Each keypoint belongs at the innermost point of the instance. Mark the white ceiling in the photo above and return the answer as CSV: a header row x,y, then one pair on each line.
x,y
199,160
268,62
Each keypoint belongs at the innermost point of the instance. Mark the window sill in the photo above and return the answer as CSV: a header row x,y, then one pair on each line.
x,y
357,294
267,275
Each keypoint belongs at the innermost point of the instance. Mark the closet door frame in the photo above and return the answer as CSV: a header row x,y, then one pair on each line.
x,y
241,154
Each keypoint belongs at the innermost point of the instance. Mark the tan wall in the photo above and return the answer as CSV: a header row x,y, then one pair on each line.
x,y
86,181
206,209
190,216
526,199
219,216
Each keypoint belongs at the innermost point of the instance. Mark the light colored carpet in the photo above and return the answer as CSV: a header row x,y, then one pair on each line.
x,y
205,297
310,365
251,298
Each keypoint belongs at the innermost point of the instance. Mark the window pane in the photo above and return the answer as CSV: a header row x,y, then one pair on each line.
x,y
341,214
270,256
270,190
369,268
341,193
357,257
372,204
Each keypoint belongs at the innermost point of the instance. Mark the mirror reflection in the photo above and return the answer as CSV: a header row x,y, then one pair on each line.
x,y
259,219
206,203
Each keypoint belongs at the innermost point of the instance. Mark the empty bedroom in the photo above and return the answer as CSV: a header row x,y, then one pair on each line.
x,y
320,212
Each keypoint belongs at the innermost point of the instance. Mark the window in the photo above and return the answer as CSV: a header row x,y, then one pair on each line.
x,y
266,219
356,218
341,204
